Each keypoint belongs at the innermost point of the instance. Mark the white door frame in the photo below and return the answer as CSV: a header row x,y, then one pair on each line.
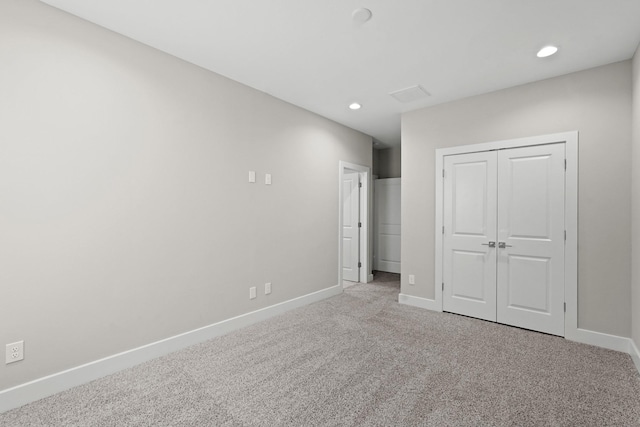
x,y
365,179
570,139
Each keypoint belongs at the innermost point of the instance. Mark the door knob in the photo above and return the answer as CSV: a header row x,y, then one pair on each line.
x,y
490,244
503,245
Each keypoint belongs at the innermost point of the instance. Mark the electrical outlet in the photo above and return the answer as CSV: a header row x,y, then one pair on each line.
x,y
267,288
412,279
252,292
15,352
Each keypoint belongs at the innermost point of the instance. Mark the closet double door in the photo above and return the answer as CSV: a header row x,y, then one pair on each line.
x,y
504,235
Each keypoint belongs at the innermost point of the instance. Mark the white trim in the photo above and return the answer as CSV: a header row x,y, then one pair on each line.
x,y
571,214
46,386
439,224
509,143
611,342
425,303
583,336
599,339
634,353
365,179
571,245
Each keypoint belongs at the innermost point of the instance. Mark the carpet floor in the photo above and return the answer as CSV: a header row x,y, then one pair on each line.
x,y
360,359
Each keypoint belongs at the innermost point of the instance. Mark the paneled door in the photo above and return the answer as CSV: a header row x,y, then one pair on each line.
x,y
503,246
470,202
351,227
531,238
387,225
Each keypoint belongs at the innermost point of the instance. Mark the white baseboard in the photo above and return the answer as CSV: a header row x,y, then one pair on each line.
x,y
635,354
599,339
49,385
429,304
611,342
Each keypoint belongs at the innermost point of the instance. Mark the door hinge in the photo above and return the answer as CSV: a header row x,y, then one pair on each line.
x,y
443,229
443,286
359,264
565,164
443,173
359,225
360,184
565,307
565,235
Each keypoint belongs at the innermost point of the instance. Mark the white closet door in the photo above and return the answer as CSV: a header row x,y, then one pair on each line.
x,y
530,285
469,262
350,227
387,234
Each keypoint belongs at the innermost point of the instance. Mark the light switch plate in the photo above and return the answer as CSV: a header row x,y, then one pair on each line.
x,y
267,288
412,279
267,179
252,176
252,292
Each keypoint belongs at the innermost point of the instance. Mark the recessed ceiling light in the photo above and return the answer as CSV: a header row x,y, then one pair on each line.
x,y
547,51
355,106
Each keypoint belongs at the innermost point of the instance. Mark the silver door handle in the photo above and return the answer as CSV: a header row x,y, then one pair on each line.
x,y
503,245
490,244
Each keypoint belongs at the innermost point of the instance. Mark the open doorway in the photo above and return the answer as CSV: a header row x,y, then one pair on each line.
x,y
353,224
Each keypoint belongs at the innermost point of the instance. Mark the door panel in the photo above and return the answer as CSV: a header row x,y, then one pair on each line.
x,y
387,234
526,194
530,277
350,228
470,197
467,267
528,283
470,188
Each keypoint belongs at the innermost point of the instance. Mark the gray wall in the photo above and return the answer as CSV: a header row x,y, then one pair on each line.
x,y
387,163
376,163
125,212
595,102
635,261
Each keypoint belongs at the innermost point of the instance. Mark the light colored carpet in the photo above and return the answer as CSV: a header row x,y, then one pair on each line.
x,y
360,359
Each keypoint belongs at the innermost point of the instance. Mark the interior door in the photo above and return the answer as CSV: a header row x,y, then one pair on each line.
x,y
469,258
503,246
530,285
387,225
351,226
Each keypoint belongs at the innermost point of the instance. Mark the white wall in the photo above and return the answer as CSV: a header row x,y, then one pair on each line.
x,y
125,212
595,102
635,167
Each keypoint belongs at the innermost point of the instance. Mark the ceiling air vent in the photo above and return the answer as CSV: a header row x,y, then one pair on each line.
x,y
410,94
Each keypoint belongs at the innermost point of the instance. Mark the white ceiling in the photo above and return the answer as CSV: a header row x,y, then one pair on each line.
x,y
312,54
